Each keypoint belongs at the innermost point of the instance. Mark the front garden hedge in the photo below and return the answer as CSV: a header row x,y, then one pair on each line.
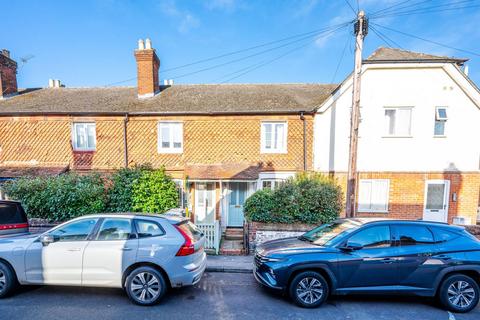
x,y
307,198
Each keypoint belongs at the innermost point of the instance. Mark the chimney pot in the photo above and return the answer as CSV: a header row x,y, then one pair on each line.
x,y
6,53
148,44
170,82
141,44
51,83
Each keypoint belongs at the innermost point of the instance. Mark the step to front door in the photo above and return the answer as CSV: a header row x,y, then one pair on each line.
x,y
234,234
232,247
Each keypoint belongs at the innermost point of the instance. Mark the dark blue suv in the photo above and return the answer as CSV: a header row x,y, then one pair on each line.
x,y
374,256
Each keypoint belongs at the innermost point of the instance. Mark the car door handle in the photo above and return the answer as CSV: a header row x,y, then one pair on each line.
x,y
126,249
444,257
388,260
73,249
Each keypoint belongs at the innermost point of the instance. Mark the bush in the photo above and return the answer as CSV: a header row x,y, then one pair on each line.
x,y
307,198
154,192
59,198
120,192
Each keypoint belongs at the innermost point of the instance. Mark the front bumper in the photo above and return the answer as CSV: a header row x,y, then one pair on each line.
x,y
265,279
191,274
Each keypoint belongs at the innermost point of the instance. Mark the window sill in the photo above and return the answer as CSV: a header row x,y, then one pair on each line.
x,y
440,136
372,211
397,136
273,151
84,150
166,151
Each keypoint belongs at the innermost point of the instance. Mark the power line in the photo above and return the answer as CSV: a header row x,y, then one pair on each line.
x,y
252,48
251,55
303,35
423,11
340,60
267,62
411,7
398,6
390,7
385,38
427,40
351,7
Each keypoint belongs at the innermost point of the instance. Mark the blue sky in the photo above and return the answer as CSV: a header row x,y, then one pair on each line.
x,y
90,43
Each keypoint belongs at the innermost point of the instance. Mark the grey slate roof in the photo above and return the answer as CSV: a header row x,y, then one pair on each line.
x,y
383,54
188,99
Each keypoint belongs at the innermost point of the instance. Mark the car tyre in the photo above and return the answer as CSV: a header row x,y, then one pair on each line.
x,y
145,286
309,289
459,293
7,280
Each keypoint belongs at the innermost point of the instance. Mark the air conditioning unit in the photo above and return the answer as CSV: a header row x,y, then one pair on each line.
x,y
461,220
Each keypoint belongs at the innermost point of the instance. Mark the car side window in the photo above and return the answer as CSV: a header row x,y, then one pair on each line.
x,y
442,235
373,237
75,231
115,229
147,229
409,235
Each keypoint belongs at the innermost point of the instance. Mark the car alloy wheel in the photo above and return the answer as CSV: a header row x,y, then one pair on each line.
x,y
461,294
3,281
145,286
309,290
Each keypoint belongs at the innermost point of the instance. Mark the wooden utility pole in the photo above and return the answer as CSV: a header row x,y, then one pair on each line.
x,y
361,30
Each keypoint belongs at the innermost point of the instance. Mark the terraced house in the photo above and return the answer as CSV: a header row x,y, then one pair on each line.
x,y
419,154
222,142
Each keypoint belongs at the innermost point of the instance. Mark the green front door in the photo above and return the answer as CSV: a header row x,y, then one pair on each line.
x,y
237,196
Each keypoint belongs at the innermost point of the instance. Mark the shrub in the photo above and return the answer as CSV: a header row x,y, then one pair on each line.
x,y
59,198
120,192
307,198
154,192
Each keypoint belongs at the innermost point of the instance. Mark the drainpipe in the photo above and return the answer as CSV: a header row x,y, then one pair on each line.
x,y
302,117
125,145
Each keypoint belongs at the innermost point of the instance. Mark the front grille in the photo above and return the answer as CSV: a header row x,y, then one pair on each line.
x,y
259,259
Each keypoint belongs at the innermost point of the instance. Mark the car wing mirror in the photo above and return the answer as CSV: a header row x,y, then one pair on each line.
x,y
46,239
351,246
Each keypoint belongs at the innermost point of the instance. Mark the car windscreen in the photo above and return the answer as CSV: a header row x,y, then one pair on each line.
x,y
11,214
324,234
190,230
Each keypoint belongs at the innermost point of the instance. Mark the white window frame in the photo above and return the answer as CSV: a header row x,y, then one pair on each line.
x,y
76,125
372,182
443,120
170,149
263,148
274,182
387,124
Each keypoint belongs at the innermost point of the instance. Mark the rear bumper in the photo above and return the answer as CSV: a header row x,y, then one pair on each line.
x,y
189,274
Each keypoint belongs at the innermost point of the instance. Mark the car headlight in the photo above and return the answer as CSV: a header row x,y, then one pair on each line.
x,y
268,259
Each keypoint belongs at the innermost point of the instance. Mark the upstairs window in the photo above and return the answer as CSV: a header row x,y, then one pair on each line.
x,y
398,122
274,137
84,136
170,137
373,195
440,121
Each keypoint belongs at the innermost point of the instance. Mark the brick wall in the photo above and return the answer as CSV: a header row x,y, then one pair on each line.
x,y
8,76
407,193
207,140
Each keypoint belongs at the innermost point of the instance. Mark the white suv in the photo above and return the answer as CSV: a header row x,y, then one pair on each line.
x,y
144,254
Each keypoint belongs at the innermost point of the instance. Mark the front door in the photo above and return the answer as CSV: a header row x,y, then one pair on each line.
x,y
436,200
238,194
205,202
60,262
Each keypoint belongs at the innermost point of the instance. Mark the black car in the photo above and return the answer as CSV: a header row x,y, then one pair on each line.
x,y
13,219
364,256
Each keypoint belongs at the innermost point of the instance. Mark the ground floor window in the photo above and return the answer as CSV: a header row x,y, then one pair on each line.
x,y
271,183
373,195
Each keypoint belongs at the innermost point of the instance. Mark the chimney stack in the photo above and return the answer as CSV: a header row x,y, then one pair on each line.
x,y
8,75
148,65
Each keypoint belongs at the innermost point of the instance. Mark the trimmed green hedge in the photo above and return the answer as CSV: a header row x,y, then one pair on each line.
x,y
307,198
60,198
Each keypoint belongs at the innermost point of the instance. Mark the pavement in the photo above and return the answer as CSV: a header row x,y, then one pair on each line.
x,y
231,264
216,296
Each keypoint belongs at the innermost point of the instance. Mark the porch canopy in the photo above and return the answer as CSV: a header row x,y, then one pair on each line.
x,y
12,172
229,171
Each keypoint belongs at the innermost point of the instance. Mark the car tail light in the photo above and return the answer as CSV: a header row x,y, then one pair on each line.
x,y
13,226
187,248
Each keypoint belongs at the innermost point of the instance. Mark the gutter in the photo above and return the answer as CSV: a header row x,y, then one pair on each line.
x,y
154,113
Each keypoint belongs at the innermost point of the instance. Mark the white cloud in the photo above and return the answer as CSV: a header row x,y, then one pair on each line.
x,y
186,20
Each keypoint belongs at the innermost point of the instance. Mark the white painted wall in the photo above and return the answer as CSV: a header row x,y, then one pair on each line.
x,y
422,86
